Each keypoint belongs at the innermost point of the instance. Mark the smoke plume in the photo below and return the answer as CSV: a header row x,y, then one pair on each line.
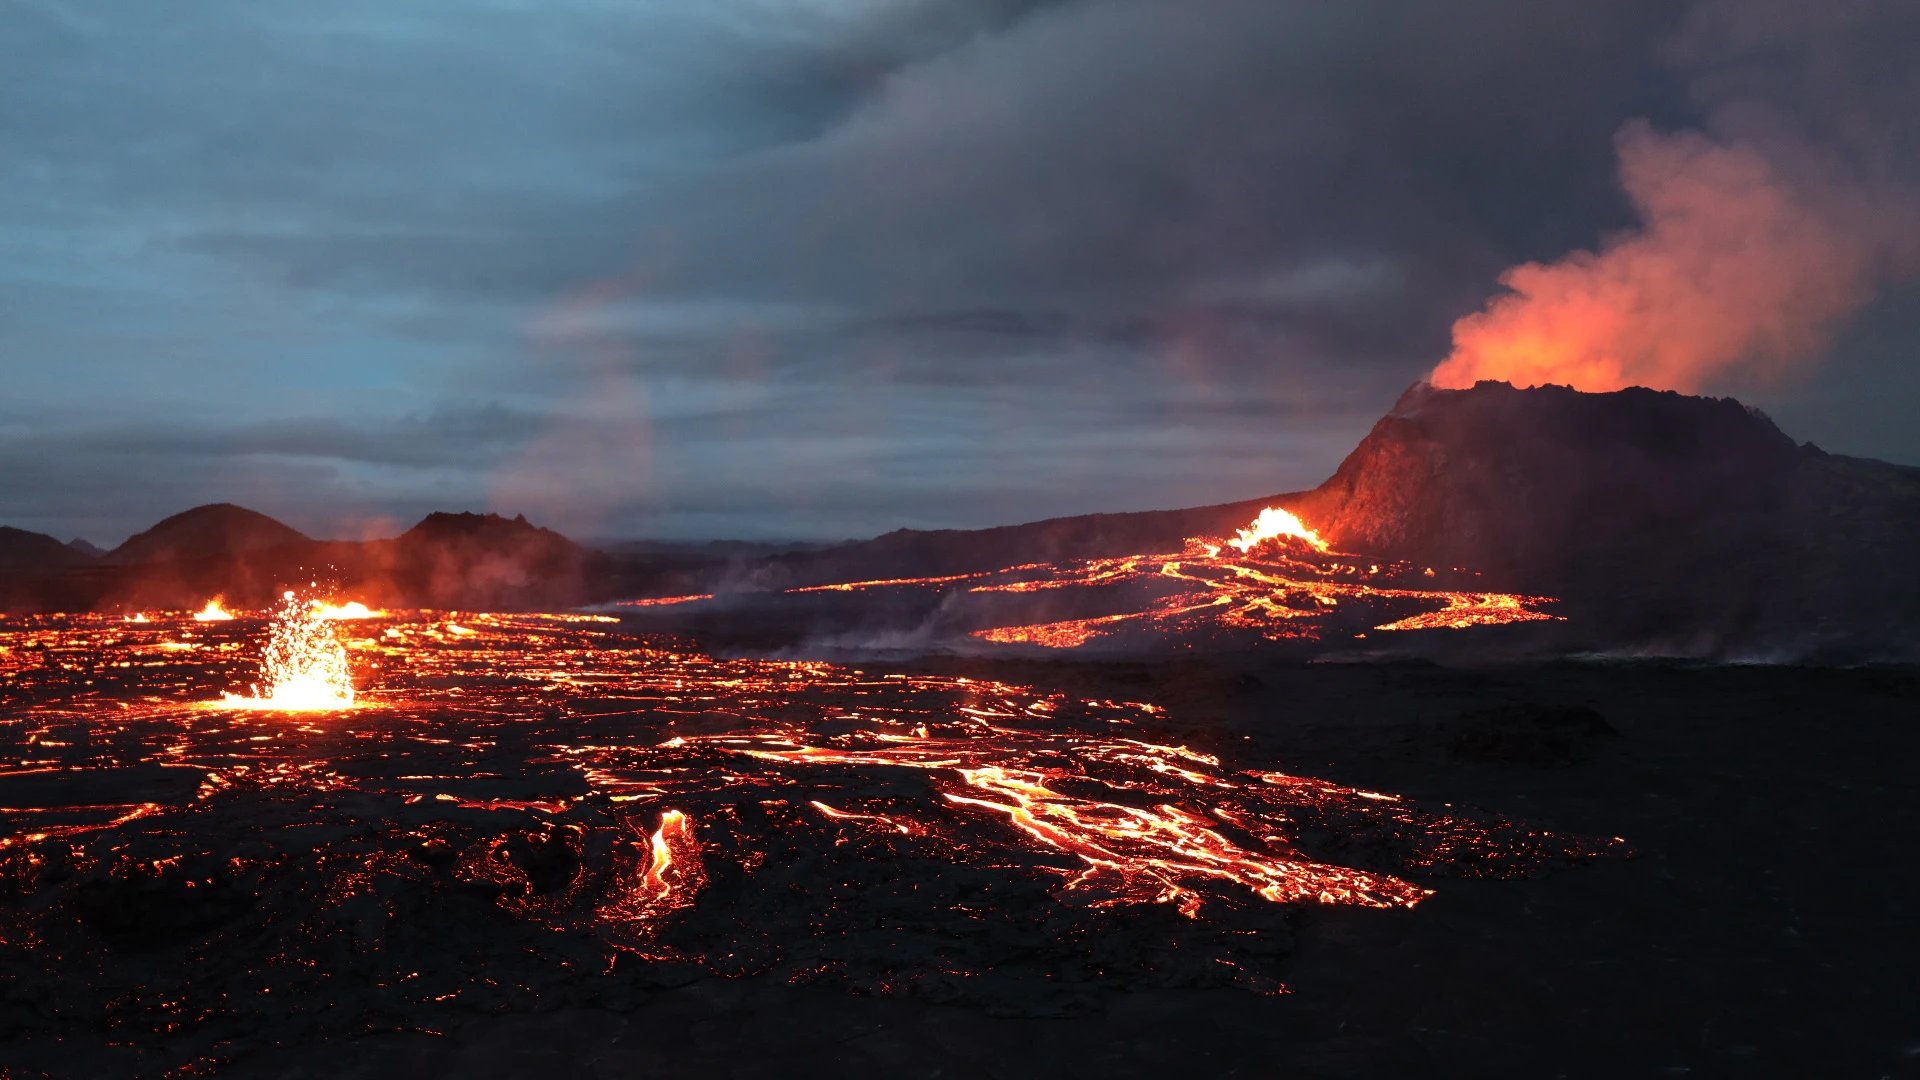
x,y
1739,269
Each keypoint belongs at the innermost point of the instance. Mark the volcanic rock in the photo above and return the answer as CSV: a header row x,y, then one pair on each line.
x,y
1526,733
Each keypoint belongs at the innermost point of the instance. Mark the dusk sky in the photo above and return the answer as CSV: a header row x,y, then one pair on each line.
x,y
825,268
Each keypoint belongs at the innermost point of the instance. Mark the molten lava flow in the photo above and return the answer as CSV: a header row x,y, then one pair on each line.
x,y
669,878
611,793
1274,523
1277,578
213,612
351,610
1129,854
665,601
304,668
855,586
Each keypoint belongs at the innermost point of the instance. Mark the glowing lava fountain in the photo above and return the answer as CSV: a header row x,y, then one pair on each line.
x,y
1274,523
304,668
213,612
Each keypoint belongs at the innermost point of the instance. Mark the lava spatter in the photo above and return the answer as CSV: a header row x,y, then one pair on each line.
x,y
304,667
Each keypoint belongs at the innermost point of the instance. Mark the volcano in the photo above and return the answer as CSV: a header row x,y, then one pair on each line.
x,y
1657,520
1653,512
1662,520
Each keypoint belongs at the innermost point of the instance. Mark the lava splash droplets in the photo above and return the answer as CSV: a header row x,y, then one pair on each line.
x,y
304,667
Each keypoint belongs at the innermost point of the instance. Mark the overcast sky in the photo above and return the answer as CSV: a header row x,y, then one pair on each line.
x,y
823,268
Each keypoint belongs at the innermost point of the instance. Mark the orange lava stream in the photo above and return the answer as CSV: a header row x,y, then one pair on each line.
x,y
663,601
670,878
1276,578
1285,582
1130,854
851,586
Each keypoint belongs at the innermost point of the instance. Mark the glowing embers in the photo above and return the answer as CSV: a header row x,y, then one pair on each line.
x,y
213,612
304,667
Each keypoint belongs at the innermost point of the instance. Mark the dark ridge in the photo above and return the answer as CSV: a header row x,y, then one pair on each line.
x,y
442,527
1664,521
86,547
920,553
1658,518
24,553
485,561
1654,513
212,530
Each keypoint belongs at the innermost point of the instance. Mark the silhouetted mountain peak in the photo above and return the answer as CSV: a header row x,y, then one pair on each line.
x,y
86,547
30,554
204,531
483,529
1673,506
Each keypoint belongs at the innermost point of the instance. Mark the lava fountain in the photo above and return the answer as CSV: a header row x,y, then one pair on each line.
x,y
1272,524
304,668
213,612
351,610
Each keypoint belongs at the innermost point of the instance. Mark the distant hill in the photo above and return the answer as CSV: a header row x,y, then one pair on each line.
x,y
486,561
1656,512
1656,517
32,553
1659,517
464,561
919,553
205,531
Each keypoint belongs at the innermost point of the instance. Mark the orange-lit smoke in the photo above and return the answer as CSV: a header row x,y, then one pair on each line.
x,y
1732,270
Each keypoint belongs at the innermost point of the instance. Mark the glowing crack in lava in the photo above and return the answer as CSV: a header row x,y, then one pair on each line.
x,y
304,667
545,805
1276,579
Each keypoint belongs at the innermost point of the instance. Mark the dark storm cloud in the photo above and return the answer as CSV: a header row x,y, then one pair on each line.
x,y
818,267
